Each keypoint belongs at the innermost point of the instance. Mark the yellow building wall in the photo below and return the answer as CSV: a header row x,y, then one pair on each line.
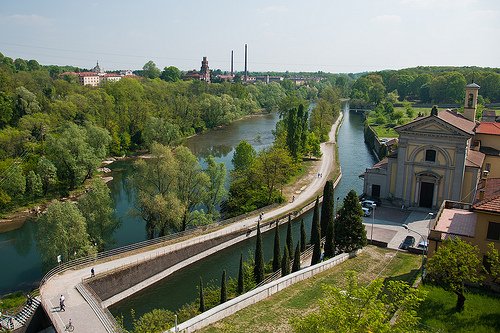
x,y
494,162
482,222
488,140
468,186
393,175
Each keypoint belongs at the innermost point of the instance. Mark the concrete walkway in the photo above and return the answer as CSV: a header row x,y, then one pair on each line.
x,y
81,314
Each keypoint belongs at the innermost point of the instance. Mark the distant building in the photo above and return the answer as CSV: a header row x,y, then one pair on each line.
x,y
202,75
98,76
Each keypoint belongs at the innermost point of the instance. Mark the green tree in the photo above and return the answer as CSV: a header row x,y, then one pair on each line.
x,y
25,103
150,70
241,278
258,271
160,130
371,308
274,166
350,233
285,262
171,74
327,207
216,188
192,183
244,156
329,241
223,288
315,228
303,236
156,184
454,264
202,298
289,236
62,231
48,173
493,262
156,321
97,208
296,259
33,184
12,181
277,249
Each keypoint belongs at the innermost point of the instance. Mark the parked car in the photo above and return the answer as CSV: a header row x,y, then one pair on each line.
x,y
368,203
422,245
366,211
408,242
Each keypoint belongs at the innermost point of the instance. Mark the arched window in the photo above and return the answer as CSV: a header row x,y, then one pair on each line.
x,y
430,155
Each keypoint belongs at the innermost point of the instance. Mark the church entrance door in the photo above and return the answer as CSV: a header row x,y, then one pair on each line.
x,y
426,194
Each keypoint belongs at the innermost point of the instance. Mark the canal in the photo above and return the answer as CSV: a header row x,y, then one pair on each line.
x,y
180,288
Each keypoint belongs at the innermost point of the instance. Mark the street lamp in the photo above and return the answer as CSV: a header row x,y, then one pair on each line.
x,y
424,252
373,221
431,216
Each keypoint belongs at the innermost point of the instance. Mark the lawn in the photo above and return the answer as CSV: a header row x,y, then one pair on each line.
x,y
481,313
273,314
387,131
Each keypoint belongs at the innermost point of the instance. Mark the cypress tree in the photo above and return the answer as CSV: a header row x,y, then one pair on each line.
x,y
302,236
258,270
241,285
289,239
277,250
327,207
296,259
285,262
202,298
350,233
316,256
223,289
315,229
329,244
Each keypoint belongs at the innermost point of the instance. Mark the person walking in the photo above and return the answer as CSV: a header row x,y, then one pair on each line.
x,y
92,272
61,303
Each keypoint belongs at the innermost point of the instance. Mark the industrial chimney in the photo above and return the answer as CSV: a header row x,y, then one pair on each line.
x,y
246,70
232,72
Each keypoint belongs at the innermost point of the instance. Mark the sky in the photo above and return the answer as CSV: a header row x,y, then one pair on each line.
x,y
335,36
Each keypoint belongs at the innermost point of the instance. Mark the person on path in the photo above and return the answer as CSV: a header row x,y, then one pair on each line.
x,y
92,272
61,303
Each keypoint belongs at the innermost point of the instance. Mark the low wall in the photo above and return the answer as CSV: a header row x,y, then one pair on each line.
x,y
120,280
232,306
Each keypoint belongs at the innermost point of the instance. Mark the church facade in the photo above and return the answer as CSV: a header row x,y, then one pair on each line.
x,y
438,158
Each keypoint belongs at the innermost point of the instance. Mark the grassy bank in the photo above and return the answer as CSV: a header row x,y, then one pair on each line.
x,y
481,313
386,130
273,314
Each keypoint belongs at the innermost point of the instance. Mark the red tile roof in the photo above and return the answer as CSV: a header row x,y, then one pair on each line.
x,y
488,128
382,163
457,120
474,159
457,221
489,205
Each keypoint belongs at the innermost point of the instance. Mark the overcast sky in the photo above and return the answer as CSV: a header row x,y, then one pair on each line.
x,y
295,35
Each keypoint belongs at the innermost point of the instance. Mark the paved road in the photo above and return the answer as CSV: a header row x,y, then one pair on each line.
x,y
81,314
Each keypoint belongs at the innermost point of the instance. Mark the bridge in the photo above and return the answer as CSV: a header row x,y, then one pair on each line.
x,y
124,271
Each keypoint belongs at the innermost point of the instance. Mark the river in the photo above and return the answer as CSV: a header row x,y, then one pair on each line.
x,y
21,263
180,288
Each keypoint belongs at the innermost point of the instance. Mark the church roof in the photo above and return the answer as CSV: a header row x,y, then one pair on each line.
x,y
473,85
382,164
489,205
488,128
457,120
474,159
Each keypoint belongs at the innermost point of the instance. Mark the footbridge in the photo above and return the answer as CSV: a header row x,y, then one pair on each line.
x,y
124,271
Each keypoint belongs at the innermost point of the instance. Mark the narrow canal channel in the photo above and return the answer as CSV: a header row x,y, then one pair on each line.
x,y
180,288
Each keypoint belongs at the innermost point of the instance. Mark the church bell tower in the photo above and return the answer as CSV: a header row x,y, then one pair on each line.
x,y
470,105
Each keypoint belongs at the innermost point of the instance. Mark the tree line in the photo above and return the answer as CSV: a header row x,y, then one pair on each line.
x,y
426,85
40,109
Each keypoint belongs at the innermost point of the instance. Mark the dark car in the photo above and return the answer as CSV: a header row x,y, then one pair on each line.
x,y
408,242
